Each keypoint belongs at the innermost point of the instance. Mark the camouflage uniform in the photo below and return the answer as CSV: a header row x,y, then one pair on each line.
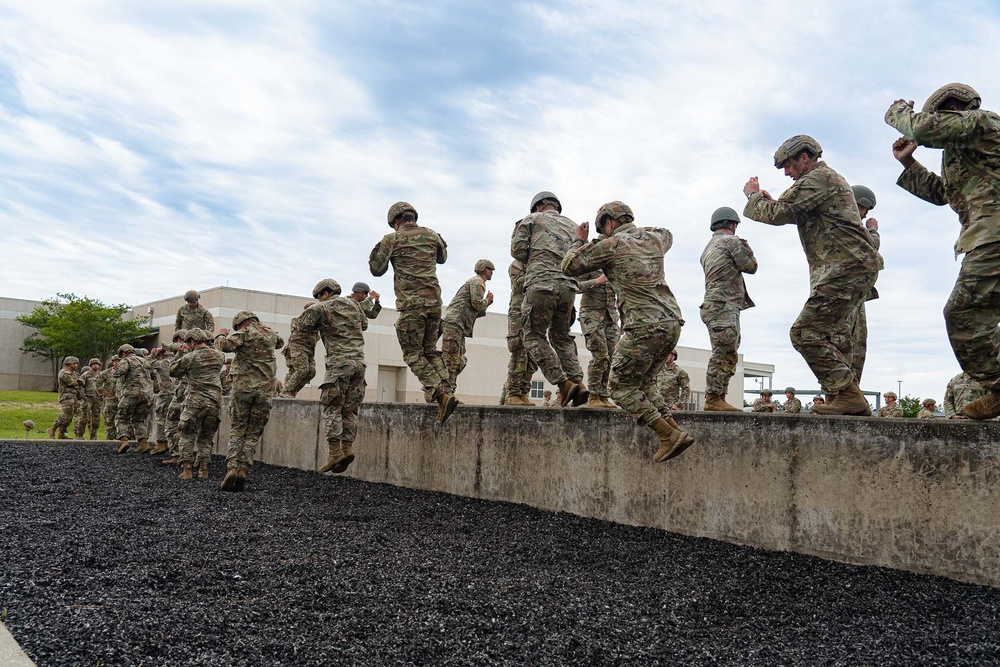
x,y
413,252
890,411
134,392
674,385
253,372
174,410
88,409
70,394
199,419
925,414
164,395
970,184
725,259
465,308
843,265
599,322
194,318
299,356
632,259
521,366
792,406
226,380
763,405
961,391
107,384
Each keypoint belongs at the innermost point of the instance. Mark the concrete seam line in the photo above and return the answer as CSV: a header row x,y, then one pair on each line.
x,y
11,654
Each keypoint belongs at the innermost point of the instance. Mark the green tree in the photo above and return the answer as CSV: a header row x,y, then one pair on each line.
x,y
910,405
82,327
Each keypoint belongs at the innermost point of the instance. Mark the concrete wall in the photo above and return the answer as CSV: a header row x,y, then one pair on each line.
x,y
18,370
908,494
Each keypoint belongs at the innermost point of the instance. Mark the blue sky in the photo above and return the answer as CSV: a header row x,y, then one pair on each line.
x,y
155,147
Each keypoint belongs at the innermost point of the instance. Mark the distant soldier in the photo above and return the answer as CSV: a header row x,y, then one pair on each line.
x,y
764,403
299,353
70,394
970,182
226,377
632,259
843,264
367,300
891,408
961,391
254,374
927,411
340,323
674,383
792,405
107,386
520,367
200,365
193,315
88,410
725,259
134,391
547,400
541,240
414,253
599,322
468,305
817,400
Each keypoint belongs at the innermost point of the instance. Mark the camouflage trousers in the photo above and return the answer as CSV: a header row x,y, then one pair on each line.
x,y
856,349
520,368
197,428
343,391
111,417
821,332
67,407
417,330
453,353
172,423
550,312
160,409
601,338
638,359
88,415
301,363
972,313
133,411
723,322
249,412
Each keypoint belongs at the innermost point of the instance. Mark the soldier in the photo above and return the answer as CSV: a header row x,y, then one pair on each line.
x,y
88,409
599,322
134,391
521,366
792,405
70,394
674,383
961,391
413,252
299,356
226,377
891,408
176,405
764,403
725,259
468,305
164,387
340,324
540,241
193,315
254,374
858,322
547,400
970,182
817,400
843,264
927,411
367,300
200,365
107,385
632,259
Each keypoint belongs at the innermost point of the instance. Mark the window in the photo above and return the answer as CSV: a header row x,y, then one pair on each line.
x,y
537,389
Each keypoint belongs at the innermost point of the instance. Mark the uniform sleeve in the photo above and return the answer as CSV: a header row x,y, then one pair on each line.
x,y
520,240
924,184
210,321
939,129
371,308
684,382
876,238
177,320
516,274
805,194
442,250
179,366
949,402
477,297
378,260
743,256
588,257
229,343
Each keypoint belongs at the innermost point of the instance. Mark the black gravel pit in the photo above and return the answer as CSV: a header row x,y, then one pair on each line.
x,y
111,560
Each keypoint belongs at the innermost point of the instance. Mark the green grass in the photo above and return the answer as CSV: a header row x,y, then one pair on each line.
x,y
42,407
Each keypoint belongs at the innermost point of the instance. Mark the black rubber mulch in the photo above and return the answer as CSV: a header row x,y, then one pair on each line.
x,y
111,560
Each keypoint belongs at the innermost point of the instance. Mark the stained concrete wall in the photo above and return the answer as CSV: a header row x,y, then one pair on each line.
x,y
919,495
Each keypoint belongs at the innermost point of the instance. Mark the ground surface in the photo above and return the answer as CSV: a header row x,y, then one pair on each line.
x,y
42,407
111,560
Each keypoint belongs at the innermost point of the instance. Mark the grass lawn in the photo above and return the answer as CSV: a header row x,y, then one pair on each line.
x,y
42,407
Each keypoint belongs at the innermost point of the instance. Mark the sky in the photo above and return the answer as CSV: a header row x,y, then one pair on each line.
x,y
150,148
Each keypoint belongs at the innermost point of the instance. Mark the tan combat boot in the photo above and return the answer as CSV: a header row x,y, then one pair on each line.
x,y
143,447
63,436
186,471
51,431
986,407
123,447
335,456
348,459
241,478
203,471
446,405
582,394
173,459
607,402
229,481
568,390
594,401
847,402
673,441
161,446
522,401
717,403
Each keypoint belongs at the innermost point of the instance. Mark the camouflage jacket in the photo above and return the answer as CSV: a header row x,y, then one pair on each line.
x,y
632,259
961,391
925,414
339,322
88,383
674,384
133,378
106,383
541,240
890,411
69,386
792,406
763,405
200,369
254,367
516,273
725,259
194,318
164,383
598,305
822,206
467,306
226,380
970,167
414,253
299,337
370,308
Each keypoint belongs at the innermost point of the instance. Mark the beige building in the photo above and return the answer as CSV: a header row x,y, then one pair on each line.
x,y
388,378
17,369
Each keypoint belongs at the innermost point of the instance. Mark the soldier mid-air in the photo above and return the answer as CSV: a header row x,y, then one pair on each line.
x,y
599,322
469,304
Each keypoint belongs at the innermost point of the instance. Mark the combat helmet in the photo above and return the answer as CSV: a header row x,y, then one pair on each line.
x,y
484,264
615,210
889,394
544,194
790,390
126,349
191,296
70,360
795,145
178,335
361,287
93,361
243,316
864,196
326,284
959,91
722,216
197,335
398,209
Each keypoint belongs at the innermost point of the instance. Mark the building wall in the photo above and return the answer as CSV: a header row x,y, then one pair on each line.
x,y
17,369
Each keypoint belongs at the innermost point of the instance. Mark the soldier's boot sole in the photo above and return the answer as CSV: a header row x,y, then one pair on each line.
x,y
673,441
582,395
568,390
446,406
342,464
334,456
229,481
985,407
241,478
